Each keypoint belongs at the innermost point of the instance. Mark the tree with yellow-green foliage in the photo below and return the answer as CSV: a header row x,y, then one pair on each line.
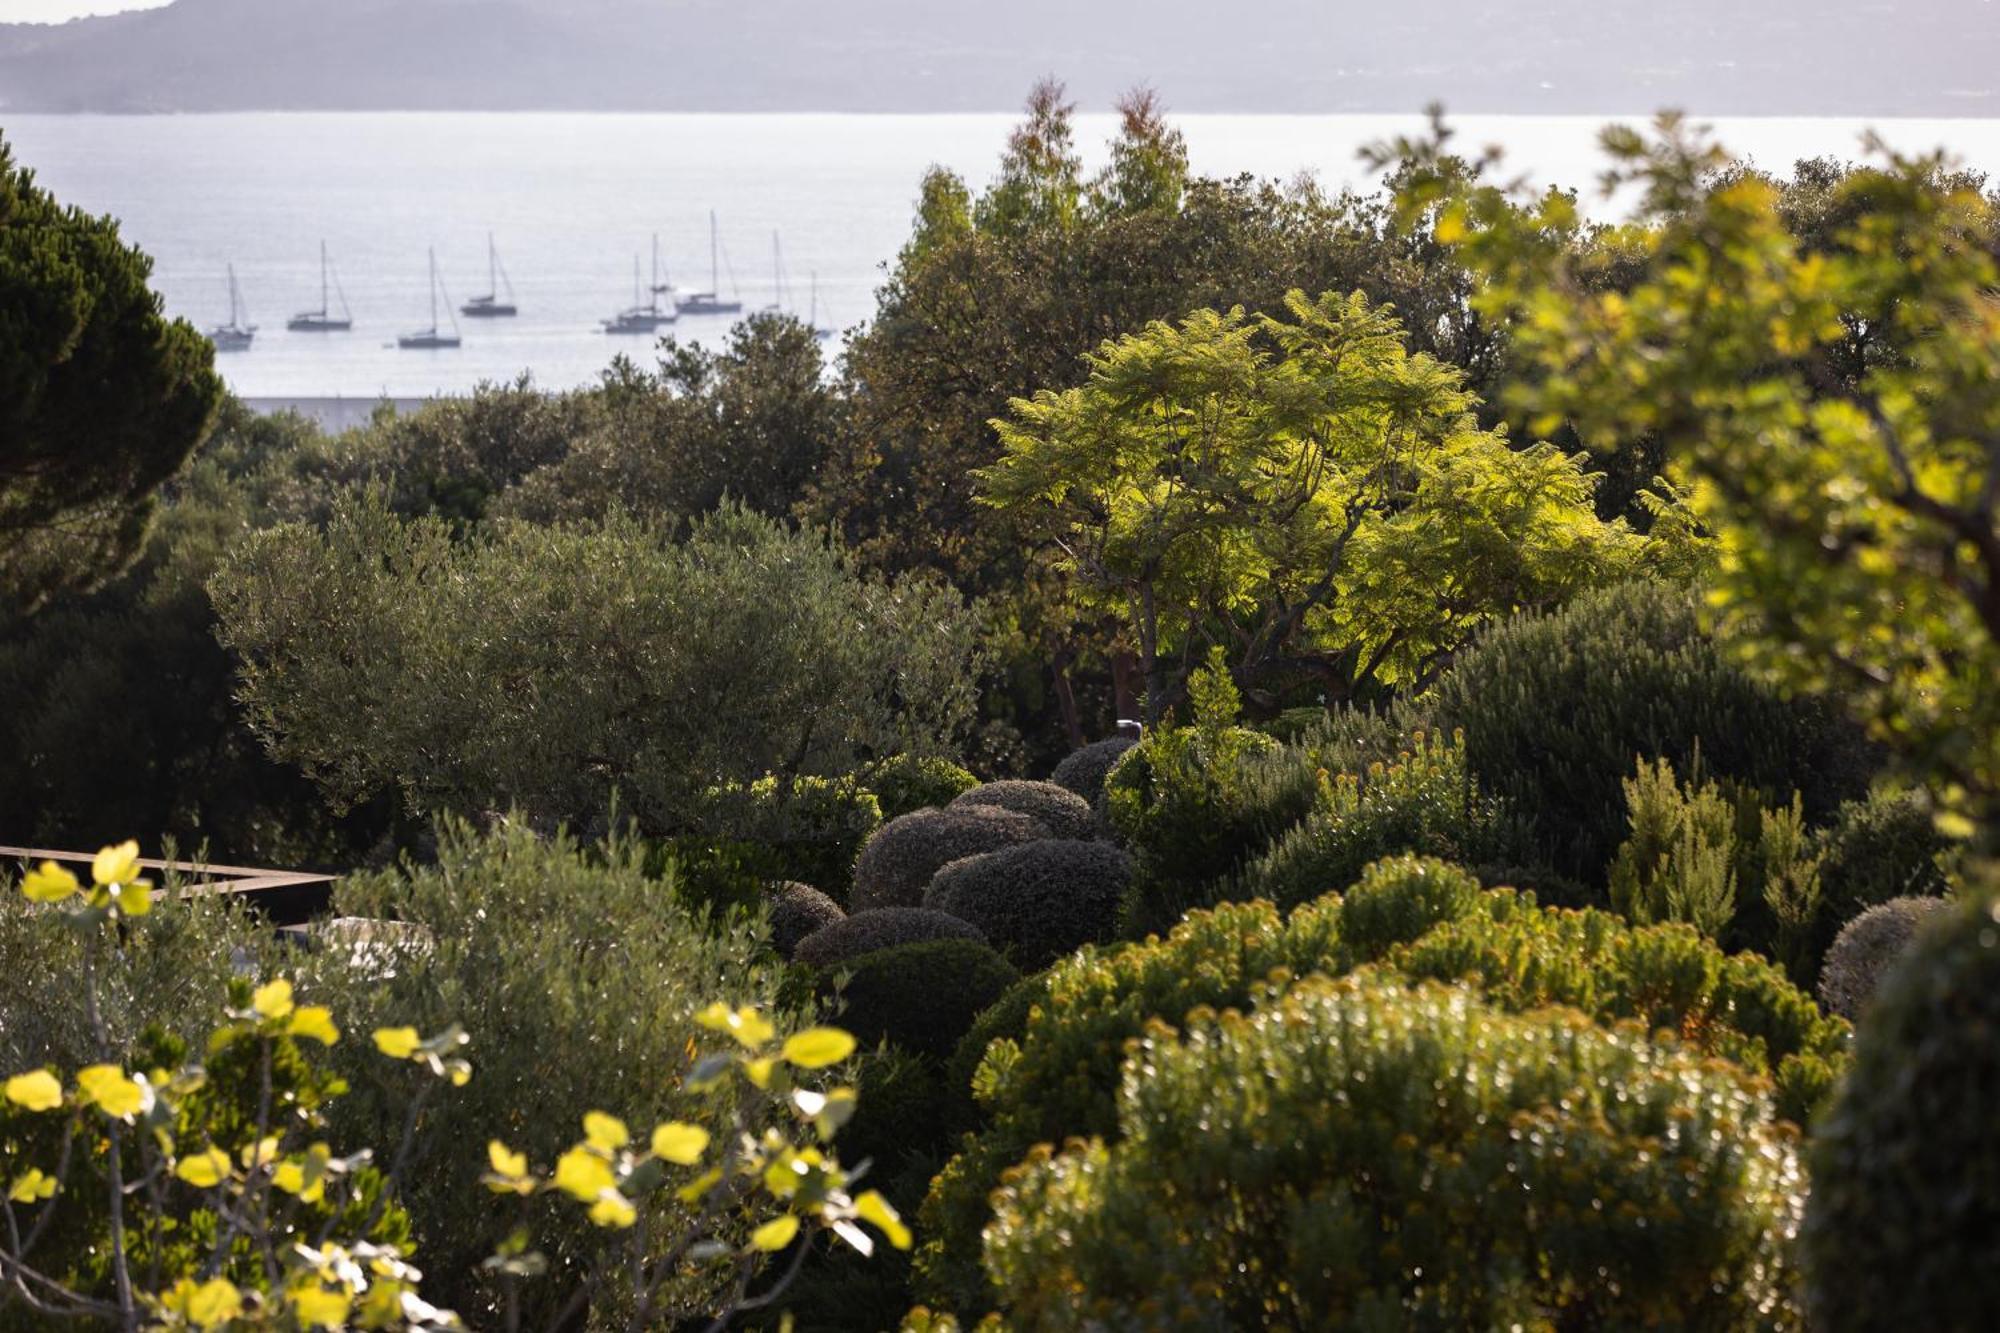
x,y
1302,491
1828,394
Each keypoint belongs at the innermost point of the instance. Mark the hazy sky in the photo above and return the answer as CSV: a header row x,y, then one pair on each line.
x,y
57,11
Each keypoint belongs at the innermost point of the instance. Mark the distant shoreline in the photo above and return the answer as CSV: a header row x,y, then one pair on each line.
x,y
1991,111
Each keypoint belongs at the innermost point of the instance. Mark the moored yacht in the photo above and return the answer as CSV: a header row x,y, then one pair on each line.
x,y
433,336
710,302
234,336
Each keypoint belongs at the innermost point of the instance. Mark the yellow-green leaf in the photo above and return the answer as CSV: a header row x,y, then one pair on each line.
x,y
582,1174
775,1234
207,1304
32,1186
316,1307
273,999
107,1088
115,865
505,1162
816,1048
36,1090
49,883
605,1132
872,1208
680,1144
314,1021
397,1043
613,1209
204,1170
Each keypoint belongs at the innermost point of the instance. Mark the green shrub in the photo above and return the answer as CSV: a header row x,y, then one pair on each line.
x,y
1482,1170
1905,1209
1054,1074
1038,901
796,911
584,979
1059,810
1680,860
922,997
1556,707
1424,802
914,782
897,864
1866,948
1886,846
1084,771
880,928
1006,1017
806,829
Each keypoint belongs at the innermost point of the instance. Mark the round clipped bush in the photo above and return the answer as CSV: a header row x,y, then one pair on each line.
x,y
1903,1229
1058,809
922,997
897,864
797,910
880,928
912,782
1481,1170
1084,771
1866,948
1038,901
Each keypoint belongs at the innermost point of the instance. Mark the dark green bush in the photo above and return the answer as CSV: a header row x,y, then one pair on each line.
x,y
897,864
922,997
1903,1228
1886,846
880,928
1555,708
1400,898
1423,802
1084,771
914,782
796,911
1038,901
1360,1155
1005,1017
1866,948
1059,810
809,829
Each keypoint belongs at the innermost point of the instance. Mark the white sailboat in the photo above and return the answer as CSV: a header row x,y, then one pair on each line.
x,y
820,331
710,302
234,336
323,320
643,316
490,306
433,336
780,299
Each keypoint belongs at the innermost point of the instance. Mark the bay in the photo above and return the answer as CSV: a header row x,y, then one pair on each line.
x,y
571,199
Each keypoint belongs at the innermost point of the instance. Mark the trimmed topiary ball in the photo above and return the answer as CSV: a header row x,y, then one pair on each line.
x,y
898,862
909,782
1038,901
1866,948
797,910
1058,809
881,928
922,997
1084,771
1902,1229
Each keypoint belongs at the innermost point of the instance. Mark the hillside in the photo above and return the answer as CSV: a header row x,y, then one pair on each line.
x,y
1719,57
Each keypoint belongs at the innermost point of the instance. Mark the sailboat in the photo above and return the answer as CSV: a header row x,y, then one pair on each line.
x,y
777,306
234,336
490,306
433,336
323,320
710,302
820,331
646,317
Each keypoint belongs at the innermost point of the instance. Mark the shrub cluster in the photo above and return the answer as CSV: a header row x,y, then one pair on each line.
x,y
808,829
1084,771
1481,1170
1413,916
1866,948
796,911
1040,900
897,864
1905,1206
1059,810
1555,708
880,928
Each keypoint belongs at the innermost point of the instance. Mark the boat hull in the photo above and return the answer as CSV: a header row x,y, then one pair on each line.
x,y
707,305
318,324
427,341
487,310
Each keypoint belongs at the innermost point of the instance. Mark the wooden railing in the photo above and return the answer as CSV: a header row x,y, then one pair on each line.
x,y
286,897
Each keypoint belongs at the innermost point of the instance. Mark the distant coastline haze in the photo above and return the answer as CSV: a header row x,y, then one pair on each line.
x,y
1931,58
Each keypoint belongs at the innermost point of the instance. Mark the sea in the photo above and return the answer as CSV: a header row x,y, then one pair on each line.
x,y
809,210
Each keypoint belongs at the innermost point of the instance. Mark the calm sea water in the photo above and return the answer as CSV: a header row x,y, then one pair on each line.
x,y
571,199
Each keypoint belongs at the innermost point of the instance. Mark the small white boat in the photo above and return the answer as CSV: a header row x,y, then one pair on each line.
x,y
433,337
646,316
710,302
323,320
235,336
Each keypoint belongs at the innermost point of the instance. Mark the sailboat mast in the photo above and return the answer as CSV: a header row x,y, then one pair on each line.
x,y
434,290
714,256
323,305
653,303
492,267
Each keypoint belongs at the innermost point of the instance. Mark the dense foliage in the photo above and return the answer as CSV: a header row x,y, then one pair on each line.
x,y
897,864
1039,901
1866,950
876,928
1056,808
921,996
